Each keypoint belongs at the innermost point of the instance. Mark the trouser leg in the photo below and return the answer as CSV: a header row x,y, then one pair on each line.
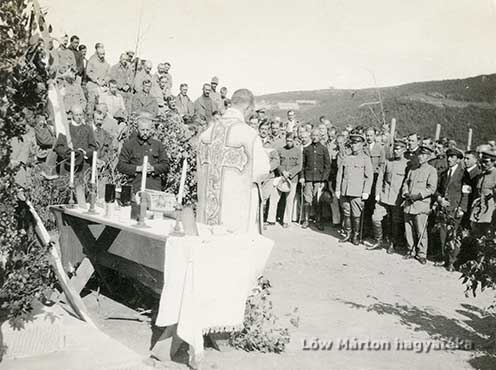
x,y
274,197
454,251
345,203
421,227
410,232
335,211
289,203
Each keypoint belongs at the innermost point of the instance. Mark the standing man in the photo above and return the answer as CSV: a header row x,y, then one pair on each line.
x,y
413,150
292,122
236,210
277,137
451,199
184,104
132,154
316,168
353,186
420,185
163,73
484,205
388,196
204,105
223,96
144,101
290,158
439,161
78,57
472,174
215,95
121,73
66,59
144,74
97,72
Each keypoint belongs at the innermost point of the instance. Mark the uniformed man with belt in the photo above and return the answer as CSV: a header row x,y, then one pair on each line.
x,y
353,186
388,196
483,217
420,185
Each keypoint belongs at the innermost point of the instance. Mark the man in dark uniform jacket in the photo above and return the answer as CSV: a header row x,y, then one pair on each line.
x,y
451,204
133,152
472,174
316,169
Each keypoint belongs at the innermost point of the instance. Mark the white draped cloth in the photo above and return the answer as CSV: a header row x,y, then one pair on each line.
x,y
207,280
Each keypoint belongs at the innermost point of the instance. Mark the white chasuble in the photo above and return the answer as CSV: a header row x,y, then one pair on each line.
x,y
230,160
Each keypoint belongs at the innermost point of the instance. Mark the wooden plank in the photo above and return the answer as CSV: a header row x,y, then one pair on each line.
x,y
83,274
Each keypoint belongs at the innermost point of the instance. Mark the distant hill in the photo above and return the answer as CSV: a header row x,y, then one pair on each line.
x,y
417,107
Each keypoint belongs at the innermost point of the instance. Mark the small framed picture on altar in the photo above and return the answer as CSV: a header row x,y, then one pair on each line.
x,y
161,202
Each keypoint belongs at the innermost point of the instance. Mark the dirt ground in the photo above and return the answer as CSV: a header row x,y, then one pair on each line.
x,y
360,300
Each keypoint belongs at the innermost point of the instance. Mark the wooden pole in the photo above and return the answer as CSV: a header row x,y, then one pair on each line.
x,y
438,132
469,140
392,136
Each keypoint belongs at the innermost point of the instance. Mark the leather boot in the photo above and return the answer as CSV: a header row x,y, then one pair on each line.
x,y
377,228
347,230
306,214
355,239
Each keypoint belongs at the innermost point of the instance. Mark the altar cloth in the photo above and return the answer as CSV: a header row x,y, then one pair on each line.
x,y
207,279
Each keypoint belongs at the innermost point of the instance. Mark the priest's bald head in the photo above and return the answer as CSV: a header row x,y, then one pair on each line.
x,y
244,101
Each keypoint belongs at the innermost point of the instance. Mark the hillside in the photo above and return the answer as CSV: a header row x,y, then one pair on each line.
x,y
417,107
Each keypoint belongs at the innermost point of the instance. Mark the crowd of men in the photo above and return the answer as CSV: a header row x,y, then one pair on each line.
x,y
369,184
418,193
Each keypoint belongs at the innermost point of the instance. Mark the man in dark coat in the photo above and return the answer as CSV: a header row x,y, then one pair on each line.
x,y
133,152
316,169
451,205
472,174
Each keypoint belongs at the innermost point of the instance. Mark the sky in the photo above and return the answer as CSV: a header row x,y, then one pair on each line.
x,y
286,45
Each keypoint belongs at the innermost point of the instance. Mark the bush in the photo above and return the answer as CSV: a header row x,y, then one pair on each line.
x,y
261,331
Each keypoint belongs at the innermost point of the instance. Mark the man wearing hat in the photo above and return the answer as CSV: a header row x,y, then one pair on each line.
x,y
420,185
353,185
482,216
451,205
290,158
388,198
215,95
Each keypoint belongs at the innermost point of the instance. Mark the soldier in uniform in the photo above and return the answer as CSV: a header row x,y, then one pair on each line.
x,y
420,185
451,204
439,162
388,196
472,174
353,186
484,206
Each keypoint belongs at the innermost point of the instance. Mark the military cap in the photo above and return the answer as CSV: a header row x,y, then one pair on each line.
x,y
215,80
260,110
424,149
357,134
399,144
489,154
454,152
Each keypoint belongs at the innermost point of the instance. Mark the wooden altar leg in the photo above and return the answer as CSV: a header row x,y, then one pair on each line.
x,y
82,275
167,345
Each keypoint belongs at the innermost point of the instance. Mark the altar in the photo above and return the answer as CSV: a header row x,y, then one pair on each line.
x,y
202,280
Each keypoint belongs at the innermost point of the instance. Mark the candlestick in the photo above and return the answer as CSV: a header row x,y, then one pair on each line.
x,y
182,182
469,141
144,173
73,164
438,132
92,195
144,200
93,168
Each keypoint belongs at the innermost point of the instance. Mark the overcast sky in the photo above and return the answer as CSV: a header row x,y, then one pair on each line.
x,y
283,45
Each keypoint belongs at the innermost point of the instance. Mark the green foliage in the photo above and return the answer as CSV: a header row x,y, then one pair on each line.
x,y
24,272
261,331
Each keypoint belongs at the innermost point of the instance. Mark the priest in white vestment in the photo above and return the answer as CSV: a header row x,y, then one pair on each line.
x,y
231,159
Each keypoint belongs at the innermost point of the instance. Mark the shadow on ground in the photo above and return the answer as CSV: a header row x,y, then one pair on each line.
x,y
478,328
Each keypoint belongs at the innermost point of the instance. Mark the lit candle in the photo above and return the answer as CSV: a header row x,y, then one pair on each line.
x,y
144,173
93,168
73,164
469,141
182,182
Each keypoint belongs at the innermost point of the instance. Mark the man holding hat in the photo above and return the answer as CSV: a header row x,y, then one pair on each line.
x,y
484,205
353,185
420,185
388,198
451,199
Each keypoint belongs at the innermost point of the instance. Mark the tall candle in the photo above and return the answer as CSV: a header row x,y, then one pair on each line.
x,y
73,164
469,141
93,168
144,173
183,181
438,132
393,129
